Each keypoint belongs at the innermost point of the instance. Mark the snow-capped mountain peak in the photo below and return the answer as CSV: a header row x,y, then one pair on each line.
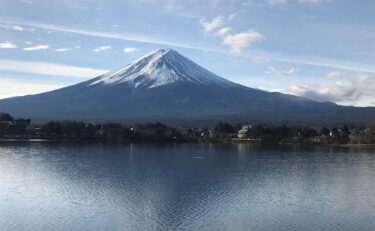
x,y
158,68
165,86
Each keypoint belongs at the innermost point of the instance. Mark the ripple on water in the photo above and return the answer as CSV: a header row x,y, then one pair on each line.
x,y
184,187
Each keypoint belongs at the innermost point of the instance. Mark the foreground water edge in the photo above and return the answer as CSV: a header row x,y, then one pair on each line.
x,y
67,186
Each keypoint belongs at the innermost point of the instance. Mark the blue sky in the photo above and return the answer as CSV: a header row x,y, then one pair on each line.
x,y
322,49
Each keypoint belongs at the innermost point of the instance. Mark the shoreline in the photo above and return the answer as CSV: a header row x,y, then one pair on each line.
x,y
236,141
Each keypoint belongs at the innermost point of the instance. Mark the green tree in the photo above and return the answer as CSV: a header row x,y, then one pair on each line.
x,y
325,131
5,117
224,128
345,130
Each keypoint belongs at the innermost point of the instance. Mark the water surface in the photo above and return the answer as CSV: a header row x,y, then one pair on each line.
x,y
46,186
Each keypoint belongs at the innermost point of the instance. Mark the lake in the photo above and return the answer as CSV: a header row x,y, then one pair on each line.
x,y
47,186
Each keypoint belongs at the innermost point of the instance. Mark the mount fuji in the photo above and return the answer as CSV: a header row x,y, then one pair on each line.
x,y
164,85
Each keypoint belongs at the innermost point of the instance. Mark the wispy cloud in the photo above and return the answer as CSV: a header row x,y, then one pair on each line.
x,y
27,1
310,61
238,42
326,62
7,45
130,49
10,87
11,27
209,26
102,48
260,59
232,16
281,72
223,31
104,34
271,3
63,49
76,5
36,47
174,8
310,1
54,69
17,28
333,74
274,2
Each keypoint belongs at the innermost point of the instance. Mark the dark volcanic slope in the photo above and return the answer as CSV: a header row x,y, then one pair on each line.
x,y
166,85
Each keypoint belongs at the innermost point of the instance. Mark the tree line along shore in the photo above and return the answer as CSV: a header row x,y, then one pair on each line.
x,y
24,129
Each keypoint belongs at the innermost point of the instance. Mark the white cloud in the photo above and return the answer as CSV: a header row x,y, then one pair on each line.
x,y
309,1
7,45
209,26
63,49
27,1
102,48
130,49
236,41
240,41
281,72
333,74
54,69
10,87
261,3
223,31
37,47
17,28
357,91
11,27
274,2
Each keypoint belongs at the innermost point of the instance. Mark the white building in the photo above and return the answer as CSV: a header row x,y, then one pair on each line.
x,y
244,129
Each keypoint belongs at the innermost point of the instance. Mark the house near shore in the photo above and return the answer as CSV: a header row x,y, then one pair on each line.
x,y
242,133
17,126
363,136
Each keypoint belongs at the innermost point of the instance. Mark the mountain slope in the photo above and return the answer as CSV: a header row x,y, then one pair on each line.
x,y
164,85
158,68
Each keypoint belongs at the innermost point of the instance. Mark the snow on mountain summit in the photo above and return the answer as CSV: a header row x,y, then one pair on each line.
x,y
165,86
158,68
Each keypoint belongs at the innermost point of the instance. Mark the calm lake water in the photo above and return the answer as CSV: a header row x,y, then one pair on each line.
x,y
47,186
